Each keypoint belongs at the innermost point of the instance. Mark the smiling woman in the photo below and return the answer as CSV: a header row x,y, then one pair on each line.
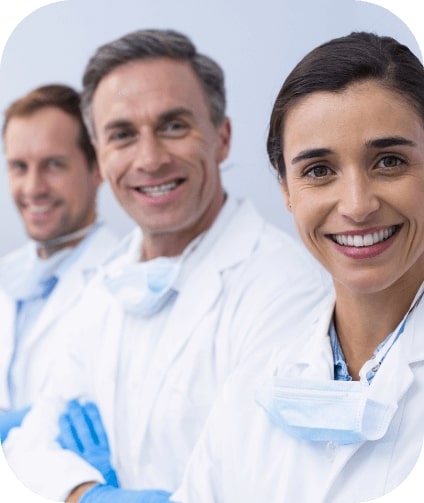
x,y
355,189
352,170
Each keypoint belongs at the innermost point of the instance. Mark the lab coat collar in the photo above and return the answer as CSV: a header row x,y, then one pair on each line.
x,y
202,286
26,257
237,217
203,275
66,293
413,331
311,356
72,281
7,307
213,255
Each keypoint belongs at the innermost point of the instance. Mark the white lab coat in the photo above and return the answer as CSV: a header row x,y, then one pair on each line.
x,y
244,457
46,338
252,284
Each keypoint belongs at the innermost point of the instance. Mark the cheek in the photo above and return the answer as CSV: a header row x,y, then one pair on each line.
x,y
13,187
303,223
110,166
309,212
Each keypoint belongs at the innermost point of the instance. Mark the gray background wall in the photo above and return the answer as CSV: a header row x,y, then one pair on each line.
x,y
257,43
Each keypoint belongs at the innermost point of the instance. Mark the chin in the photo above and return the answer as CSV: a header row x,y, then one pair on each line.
x,y
366,285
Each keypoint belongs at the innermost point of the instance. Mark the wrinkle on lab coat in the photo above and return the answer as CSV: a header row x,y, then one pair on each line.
x,y
47,337
247,284
244,456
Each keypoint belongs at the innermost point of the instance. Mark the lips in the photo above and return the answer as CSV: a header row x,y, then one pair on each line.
x,y
160,189
366,239
38,209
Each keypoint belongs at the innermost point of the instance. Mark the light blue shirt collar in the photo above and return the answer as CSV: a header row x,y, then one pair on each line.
x,y
341,372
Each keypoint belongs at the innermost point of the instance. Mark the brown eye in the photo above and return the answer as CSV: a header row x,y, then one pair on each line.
x,y
319,171
390,161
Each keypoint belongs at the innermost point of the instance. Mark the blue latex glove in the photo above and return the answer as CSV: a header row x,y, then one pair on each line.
x,y
11,419
82,431
106,494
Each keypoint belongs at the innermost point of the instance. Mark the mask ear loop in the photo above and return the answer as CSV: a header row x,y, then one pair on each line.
x,y
67,238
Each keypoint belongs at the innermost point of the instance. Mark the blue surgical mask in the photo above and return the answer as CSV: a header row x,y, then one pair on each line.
x,y
323,411
144,288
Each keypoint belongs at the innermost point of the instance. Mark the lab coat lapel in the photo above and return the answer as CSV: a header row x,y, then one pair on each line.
x,y
311,356
398,371
71,284
197,296
66,293
414,352
203,286
7,316
25,256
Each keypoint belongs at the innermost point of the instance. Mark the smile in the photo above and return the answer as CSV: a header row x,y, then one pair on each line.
x,y
38,209
160,190
362,240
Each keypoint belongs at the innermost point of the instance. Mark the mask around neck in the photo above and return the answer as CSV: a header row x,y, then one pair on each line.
x,y
144,288
325,411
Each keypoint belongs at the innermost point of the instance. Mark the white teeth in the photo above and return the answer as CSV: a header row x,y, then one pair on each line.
x,y
361,240
369,239
158,190
38,209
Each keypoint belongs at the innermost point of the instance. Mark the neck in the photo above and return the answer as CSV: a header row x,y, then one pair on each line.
x,y
363,321
171,244
46,249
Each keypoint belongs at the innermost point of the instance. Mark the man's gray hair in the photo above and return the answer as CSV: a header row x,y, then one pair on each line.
x,y
152,44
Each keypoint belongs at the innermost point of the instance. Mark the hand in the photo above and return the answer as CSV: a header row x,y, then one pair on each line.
x,y
11,419
82,431
106,494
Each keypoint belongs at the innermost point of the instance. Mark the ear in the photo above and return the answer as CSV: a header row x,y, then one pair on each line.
x,y
224,133
286,194
98,164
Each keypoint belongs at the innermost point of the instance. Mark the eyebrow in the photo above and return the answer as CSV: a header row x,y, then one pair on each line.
x,y
174,112
390,141
59,157
311,154
116,124
163,117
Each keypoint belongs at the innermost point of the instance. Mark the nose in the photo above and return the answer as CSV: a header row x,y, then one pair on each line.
x,y
151,153
358,199
34,183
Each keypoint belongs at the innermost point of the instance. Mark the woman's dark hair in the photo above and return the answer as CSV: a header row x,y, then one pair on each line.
x,y
335,65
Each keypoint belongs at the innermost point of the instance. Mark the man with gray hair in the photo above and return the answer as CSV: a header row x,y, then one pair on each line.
x,y
202,285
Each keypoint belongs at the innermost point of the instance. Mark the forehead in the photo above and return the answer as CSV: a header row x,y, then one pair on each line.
x,y
48,126
360,112
148,87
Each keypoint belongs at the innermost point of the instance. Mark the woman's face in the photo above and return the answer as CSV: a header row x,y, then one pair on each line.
x,y
355,184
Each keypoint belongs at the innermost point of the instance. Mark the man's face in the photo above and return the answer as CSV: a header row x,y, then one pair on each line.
x,y
49,176
160,151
